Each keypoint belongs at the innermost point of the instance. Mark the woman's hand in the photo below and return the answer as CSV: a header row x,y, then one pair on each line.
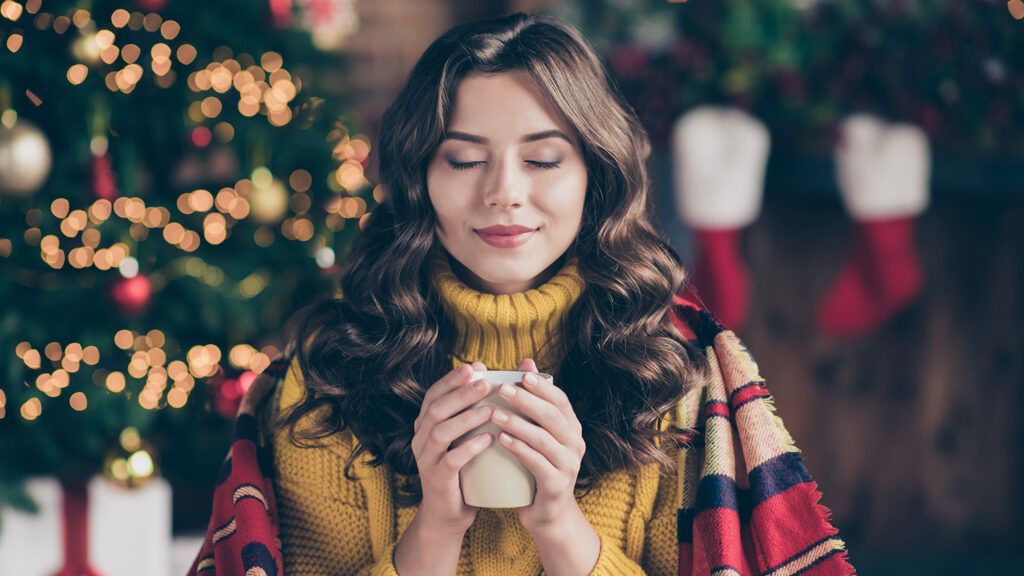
x,y
443,418
552,448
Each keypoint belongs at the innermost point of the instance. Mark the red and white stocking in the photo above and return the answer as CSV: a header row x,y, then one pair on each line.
x,y
719,157
883,173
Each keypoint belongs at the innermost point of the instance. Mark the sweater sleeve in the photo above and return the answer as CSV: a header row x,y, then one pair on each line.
x,y
324,516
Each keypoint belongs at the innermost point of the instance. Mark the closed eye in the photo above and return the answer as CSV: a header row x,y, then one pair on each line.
x,y
462,165
467,165
544,165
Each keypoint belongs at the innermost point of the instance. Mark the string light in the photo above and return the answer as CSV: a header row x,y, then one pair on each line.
x,y
61,24
129,267
14,42
77,73
10,10
78,401
31,409
300,180
203,360
148,362
119,18
263,236
115,382
325,257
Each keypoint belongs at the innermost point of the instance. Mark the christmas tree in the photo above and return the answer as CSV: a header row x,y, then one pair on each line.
x,y
175,181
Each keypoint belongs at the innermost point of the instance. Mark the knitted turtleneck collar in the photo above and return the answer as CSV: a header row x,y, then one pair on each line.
x,y
501,329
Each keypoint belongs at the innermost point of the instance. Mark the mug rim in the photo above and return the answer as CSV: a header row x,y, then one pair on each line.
x,y
506,375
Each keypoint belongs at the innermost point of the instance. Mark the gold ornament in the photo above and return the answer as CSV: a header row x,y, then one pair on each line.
x,y
86,48
268,199
132,462
25,158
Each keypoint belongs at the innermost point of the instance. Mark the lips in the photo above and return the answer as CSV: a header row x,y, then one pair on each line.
x,y
506,236
499,230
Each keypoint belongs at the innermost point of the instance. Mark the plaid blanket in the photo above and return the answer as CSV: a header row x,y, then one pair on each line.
x,y
754,509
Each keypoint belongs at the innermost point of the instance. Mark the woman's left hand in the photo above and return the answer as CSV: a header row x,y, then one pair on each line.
x,y
551,447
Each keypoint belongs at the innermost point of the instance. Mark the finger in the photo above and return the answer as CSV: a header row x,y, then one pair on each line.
x,y
563,457
542,412
452,379
450,404
545,388
256,392
441,436
527,365
542,469
449,381
455,459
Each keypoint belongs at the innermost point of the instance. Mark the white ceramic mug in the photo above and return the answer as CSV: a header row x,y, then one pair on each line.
x,y
495,478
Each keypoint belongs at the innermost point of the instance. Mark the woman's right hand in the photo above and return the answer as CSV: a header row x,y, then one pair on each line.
x,y
443,418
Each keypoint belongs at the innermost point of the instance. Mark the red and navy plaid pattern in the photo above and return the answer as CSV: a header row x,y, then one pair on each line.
x,y
747,504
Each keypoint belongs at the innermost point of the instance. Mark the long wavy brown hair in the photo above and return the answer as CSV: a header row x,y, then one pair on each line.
x,y
372,353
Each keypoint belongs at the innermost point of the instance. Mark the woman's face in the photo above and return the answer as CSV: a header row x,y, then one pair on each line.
x,y
508,159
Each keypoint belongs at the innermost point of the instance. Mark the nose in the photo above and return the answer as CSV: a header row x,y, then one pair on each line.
x,y
505,186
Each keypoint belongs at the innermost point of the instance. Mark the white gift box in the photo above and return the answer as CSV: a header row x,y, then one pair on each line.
x,y
129,530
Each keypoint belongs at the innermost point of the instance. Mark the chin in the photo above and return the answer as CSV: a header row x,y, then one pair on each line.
x,y
505,271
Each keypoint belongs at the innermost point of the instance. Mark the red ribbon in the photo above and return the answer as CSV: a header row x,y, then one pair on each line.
x,y
76,529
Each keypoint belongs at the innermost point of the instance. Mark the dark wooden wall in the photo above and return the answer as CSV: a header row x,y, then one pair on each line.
x,y
912,432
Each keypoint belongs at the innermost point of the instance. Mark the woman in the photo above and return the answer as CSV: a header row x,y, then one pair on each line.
x,y
515,235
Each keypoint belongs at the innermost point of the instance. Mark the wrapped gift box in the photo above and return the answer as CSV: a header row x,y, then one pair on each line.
x,y
129,530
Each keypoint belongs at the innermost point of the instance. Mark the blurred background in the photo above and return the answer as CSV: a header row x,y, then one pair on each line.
x,y
841,177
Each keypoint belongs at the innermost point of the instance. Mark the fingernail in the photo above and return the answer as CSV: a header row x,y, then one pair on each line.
x,y
530,379
465,370
480,385
508,390
505,438
500,416
482,411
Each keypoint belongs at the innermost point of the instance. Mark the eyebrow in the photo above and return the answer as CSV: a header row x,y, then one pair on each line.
x,y
465,136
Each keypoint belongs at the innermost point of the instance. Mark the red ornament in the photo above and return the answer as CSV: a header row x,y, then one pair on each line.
x,y
103,183
201,136
281,12
151,5
227,392
132,295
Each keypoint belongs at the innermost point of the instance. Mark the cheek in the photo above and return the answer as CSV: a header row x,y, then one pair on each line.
x,y
447,197
565,199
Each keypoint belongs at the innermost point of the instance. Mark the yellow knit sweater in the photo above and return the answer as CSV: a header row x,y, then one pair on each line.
x,y
331,525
